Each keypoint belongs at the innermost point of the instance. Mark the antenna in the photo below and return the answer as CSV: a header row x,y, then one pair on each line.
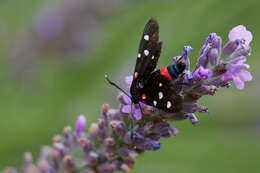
x,y
118,87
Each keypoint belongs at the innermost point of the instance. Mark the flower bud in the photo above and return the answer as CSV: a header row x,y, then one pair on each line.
x,y
194,120
28,157
118,127
192,108
127,165
60,147
153,145
46,153
107,167
125,152
80,124
69,161
67,131
92,158
86,144
184,59
204,89
133,137
243,51
105,107
93,129
109,142
210,51
230,47
213,56
170,132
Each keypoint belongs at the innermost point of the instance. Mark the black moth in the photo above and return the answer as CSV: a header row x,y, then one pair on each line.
x,y
150,86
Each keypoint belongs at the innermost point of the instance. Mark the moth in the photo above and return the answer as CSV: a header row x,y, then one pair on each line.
x,y
150,86
154,87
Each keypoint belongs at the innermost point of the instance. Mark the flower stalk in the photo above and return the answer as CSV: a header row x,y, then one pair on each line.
x,y
121,135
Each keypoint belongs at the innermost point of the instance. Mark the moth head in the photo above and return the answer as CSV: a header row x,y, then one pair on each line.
x,y
136,90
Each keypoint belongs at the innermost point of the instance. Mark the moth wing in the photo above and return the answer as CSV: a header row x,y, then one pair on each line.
x,y
162,93
149,51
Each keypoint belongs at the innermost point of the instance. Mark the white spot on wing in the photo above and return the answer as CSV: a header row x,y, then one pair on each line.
x,y
160,95
152,57
139,55
146,37
146,52
160,84
169,104
154,102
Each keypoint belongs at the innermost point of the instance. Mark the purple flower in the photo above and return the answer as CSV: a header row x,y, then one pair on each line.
x,y
80,124
238,75
202,73
130,108
240,33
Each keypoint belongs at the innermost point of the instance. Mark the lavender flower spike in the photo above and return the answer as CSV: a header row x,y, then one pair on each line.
x,y
80,124
118,139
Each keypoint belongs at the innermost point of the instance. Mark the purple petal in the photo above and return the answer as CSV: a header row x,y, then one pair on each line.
x,y
237,59
240,33
242,63
234,68
245,75
126,99
228,77
238,83
202,73
137,114
126,109
143,105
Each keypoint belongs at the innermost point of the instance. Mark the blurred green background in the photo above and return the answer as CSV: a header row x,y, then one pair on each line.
x,y
47,82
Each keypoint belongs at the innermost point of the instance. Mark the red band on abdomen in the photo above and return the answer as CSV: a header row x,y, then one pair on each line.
x,y
164,71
